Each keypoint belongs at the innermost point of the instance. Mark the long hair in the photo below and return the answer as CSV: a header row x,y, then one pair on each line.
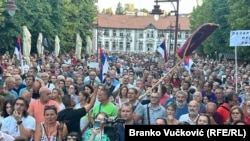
x,y
4,111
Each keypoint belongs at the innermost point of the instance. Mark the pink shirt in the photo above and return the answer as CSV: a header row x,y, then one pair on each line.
x,y
36,108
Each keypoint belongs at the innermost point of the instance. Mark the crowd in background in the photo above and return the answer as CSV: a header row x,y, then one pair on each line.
x,y
55,98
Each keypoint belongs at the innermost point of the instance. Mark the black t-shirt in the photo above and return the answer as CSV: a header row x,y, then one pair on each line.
x,y
72,118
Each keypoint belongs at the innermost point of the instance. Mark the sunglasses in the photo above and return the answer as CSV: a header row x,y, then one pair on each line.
x,y
74,138
48,107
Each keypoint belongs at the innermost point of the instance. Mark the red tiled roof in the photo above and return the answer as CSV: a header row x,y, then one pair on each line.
x,y
140,22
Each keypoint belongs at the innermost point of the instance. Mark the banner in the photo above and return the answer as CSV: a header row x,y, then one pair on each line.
x,y
240,38
197,37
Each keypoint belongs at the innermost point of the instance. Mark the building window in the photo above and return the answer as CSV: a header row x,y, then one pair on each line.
x,y
179,35
128,34
178,45
140,46
121,45
186,34
99,44
114,33
106,33
121,34
113,45
152,34
107,44
140,35
149,47
160,34
127,46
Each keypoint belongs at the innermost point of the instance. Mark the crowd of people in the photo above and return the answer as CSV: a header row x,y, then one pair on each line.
x,y
63,98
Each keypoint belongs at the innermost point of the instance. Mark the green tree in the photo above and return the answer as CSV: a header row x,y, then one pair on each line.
x,y
63,18
109,11
119,9
1,11
239,19
212,11
129,7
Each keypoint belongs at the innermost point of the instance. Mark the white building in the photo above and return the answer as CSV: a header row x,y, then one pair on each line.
x,y
141,34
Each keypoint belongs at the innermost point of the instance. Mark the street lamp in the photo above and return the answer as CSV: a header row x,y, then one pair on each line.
x,y
11,7
157,11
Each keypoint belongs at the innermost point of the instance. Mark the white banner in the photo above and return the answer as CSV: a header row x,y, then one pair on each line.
x,y
240,38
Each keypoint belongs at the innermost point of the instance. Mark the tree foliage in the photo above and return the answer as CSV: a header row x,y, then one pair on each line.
x,y
239,19
119,9
129,7
109,11
213,11
64,18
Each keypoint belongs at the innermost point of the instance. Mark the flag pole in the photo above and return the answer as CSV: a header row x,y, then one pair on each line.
x,y
236,69
160,80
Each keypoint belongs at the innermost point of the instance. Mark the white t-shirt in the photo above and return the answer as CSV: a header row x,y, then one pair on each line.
x,y
9,125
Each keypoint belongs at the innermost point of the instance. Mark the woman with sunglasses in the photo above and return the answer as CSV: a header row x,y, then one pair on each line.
x,y
50,129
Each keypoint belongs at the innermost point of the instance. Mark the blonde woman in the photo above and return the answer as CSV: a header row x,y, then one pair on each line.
x,y
236,113
57,95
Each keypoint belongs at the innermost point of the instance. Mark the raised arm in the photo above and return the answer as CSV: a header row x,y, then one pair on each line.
x,y
92,101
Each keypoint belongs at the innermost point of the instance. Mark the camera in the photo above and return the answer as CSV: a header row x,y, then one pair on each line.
x,y
111,127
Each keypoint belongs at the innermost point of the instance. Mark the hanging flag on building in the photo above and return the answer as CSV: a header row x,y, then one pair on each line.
x,y
104,66
162,49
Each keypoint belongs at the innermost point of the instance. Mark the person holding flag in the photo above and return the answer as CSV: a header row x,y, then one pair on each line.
x,y
104,66
18,53
188,62
162,49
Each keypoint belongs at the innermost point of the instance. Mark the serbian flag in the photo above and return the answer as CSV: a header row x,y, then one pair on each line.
x,y
18,52
104,63
163,51
188,62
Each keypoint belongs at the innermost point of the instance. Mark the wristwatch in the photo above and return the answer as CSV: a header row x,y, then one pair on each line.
x,y
19,122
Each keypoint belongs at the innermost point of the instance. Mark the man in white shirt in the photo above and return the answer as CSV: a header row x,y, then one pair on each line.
x,y
19,124
193,113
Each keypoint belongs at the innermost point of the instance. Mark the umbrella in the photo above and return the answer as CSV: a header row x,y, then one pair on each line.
x,y
39,45
26,42
57,46
47,44
78,46
89,45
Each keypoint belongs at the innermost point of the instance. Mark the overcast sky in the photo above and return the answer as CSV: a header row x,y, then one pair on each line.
x,y
185,6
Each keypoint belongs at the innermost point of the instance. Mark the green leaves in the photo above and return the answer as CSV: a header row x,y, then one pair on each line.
x,y
64,18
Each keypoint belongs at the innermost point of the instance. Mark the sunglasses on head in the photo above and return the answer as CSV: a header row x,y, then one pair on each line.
x,y
72,137
47,107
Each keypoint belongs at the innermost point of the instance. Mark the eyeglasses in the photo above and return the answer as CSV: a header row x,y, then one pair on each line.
x,y
48,107
235,113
